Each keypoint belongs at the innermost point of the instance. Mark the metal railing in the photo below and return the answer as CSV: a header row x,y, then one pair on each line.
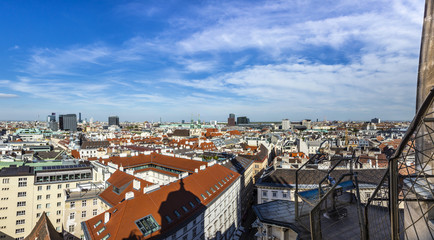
x,y
402,205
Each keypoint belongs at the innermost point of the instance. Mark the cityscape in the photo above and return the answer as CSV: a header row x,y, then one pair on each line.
x,y
231,120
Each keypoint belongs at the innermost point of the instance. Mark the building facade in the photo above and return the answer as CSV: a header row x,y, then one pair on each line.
x,y
68,122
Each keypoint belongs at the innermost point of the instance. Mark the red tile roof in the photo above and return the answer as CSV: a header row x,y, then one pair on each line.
x,y
161,203
180,164
119,179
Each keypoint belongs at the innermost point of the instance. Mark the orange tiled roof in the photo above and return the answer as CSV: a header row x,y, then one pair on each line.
x,y
119,179
163,202
180,164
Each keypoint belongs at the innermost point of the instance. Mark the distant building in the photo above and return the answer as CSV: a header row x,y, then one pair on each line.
x,y
51,122
68,122
51,118
286,124
375,120
243,120
231,120
113,120
79,117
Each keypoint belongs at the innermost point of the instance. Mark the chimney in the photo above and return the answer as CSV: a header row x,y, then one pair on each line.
x,y
196,170
136,184
106,217
129,195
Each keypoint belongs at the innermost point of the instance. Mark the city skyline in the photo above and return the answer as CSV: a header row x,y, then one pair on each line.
x,y
267,60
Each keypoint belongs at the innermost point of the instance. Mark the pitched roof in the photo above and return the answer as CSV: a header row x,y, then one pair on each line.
x,y
123,182
44,230
163,202
180,164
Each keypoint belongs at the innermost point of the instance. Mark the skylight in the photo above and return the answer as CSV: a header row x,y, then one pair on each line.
x,y
185,209
192,204
101,230
147,225
169,219
177,213
97,224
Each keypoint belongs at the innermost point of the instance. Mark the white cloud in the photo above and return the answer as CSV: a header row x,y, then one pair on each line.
x,y
7,95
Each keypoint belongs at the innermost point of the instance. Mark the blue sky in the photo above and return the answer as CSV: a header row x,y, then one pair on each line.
x,y
267,60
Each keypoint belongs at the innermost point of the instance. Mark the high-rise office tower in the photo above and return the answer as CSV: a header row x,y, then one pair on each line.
x,y
231,120
113,120
243,120
68,122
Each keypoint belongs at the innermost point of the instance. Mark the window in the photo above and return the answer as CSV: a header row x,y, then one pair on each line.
x,y
5,180
168,219
38,215
47,196
21,204
100,231
39,188
21,213
22,194
83,203
19,230
58,212
59,195
59,204
191,204
264,193
274,193
106,237
22,182
72,204
147,225
58,220
67,185
19,222
185,230
39,197
95,212
194,232
177,213
48,187
47,205
83,214
97,224
95,202
285,195
185,209
59,186
72,215
39,206
71,228
368,195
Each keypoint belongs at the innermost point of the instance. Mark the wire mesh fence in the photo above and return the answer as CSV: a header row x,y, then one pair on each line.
x,y
402,206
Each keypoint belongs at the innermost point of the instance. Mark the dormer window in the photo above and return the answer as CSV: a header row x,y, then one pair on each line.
x,y
97,224
147,225
177,213
192,204
185,209
169,219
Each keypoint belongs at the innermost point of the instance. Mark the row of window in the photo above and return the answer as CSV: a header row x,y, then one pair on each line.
x,y
83,214
83,203
274,193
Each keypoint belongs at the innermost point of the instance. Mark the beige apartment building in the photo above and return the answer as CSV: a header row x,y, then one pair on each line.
x,y
26,192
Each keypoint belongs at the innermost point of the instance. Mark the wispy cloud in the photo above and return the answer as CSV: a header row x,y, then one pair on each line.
x,y
273,58
7,95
